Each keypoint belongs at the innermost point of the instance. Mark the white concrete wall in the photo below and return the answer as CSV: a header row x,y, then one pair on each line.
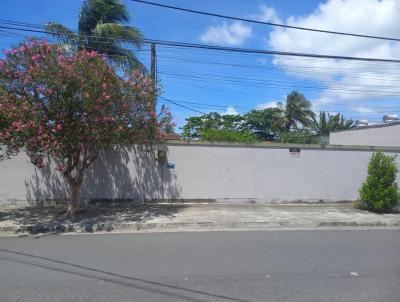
x,y
205,172
379,136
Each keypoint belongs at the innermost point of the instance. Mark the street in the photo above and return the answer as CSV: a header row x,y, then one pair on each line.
x,y
317,265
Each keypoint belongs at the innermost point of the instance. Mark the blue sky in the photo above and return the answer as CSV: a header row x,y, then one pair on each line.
x,y
231,82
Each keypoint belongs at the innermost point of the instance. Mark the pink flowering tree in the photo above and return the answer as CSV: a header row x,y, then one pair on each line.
x,y
66,108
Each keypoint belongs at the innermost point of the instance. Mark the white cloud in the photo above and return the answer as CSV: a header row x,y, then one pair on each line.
x,y
362,110
230,111
344,80
319,104
262,61
267,105
233,34
268,14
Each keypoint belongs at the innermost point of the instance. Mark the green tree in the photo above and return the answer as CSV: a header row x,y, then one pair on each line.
x,y
3,122
297,136
191,130
264,124
227,135
196,125
166,120
297,110
66,108
380,191
101,28
328,123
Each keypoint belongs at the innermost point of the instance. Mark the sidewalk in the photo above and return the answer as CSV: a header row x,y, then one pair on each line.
x,y
190,217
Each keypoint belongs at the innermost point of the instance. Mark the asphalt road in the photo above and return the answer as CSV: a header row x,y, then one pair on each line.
x,y
211,266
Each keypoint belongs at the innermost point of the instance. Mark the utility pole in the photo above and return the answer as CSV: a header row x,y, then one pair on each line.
x,y
153,74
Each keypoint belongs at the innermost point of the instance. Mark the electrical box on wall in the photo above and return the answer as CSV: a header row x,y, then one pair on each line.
x,y
170,166
294,152
162,156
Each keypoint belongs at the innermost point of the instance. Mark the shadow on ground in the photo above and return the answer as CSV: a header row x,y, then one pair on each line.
x,y
128,213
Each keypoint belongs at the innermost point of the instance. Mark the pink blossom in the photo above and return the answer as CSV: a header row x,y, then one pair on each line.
x,y
59,127
39,163
97,107
107,97
36,57
61,168
6,51
92,54
41,131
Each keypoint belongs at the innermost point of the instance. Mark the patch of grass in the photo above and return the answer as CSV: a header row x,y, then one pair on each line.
x,y
358,204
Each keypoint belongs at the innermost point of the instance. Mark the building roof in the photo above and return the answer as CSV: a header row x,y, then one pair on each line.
x,y
172,136
381,125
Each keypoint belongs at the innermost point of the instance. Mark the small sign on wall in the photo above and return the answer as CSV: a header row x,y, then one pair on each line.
x,y
170,166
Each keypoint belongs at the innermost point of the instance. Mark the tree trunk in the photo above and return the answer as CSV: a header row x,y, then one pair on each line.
x,y
72,205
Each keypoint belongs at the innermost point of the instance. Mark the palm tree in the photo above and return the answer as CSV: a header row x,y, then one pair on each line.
x,y
101,28
297,111
330,122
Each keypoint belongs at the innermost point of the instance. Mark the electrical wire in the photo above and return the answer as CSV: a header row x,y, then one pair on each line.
x,y
183,106
218,48
201,46
265,23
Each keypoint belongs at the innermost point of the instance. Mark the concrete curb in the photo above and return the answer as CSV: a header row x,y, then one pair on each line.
x,y
168,226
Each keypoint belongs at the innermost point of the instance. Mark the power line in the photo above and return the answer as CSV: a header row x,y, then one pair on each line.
x,y
183,106
218,48
264,23
214,79
224,106
185,45
279,99
330,82
302,69
266,52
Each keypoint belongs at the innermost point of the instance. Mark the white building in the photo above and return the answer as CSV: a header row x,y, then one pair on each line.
x,y
385,134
